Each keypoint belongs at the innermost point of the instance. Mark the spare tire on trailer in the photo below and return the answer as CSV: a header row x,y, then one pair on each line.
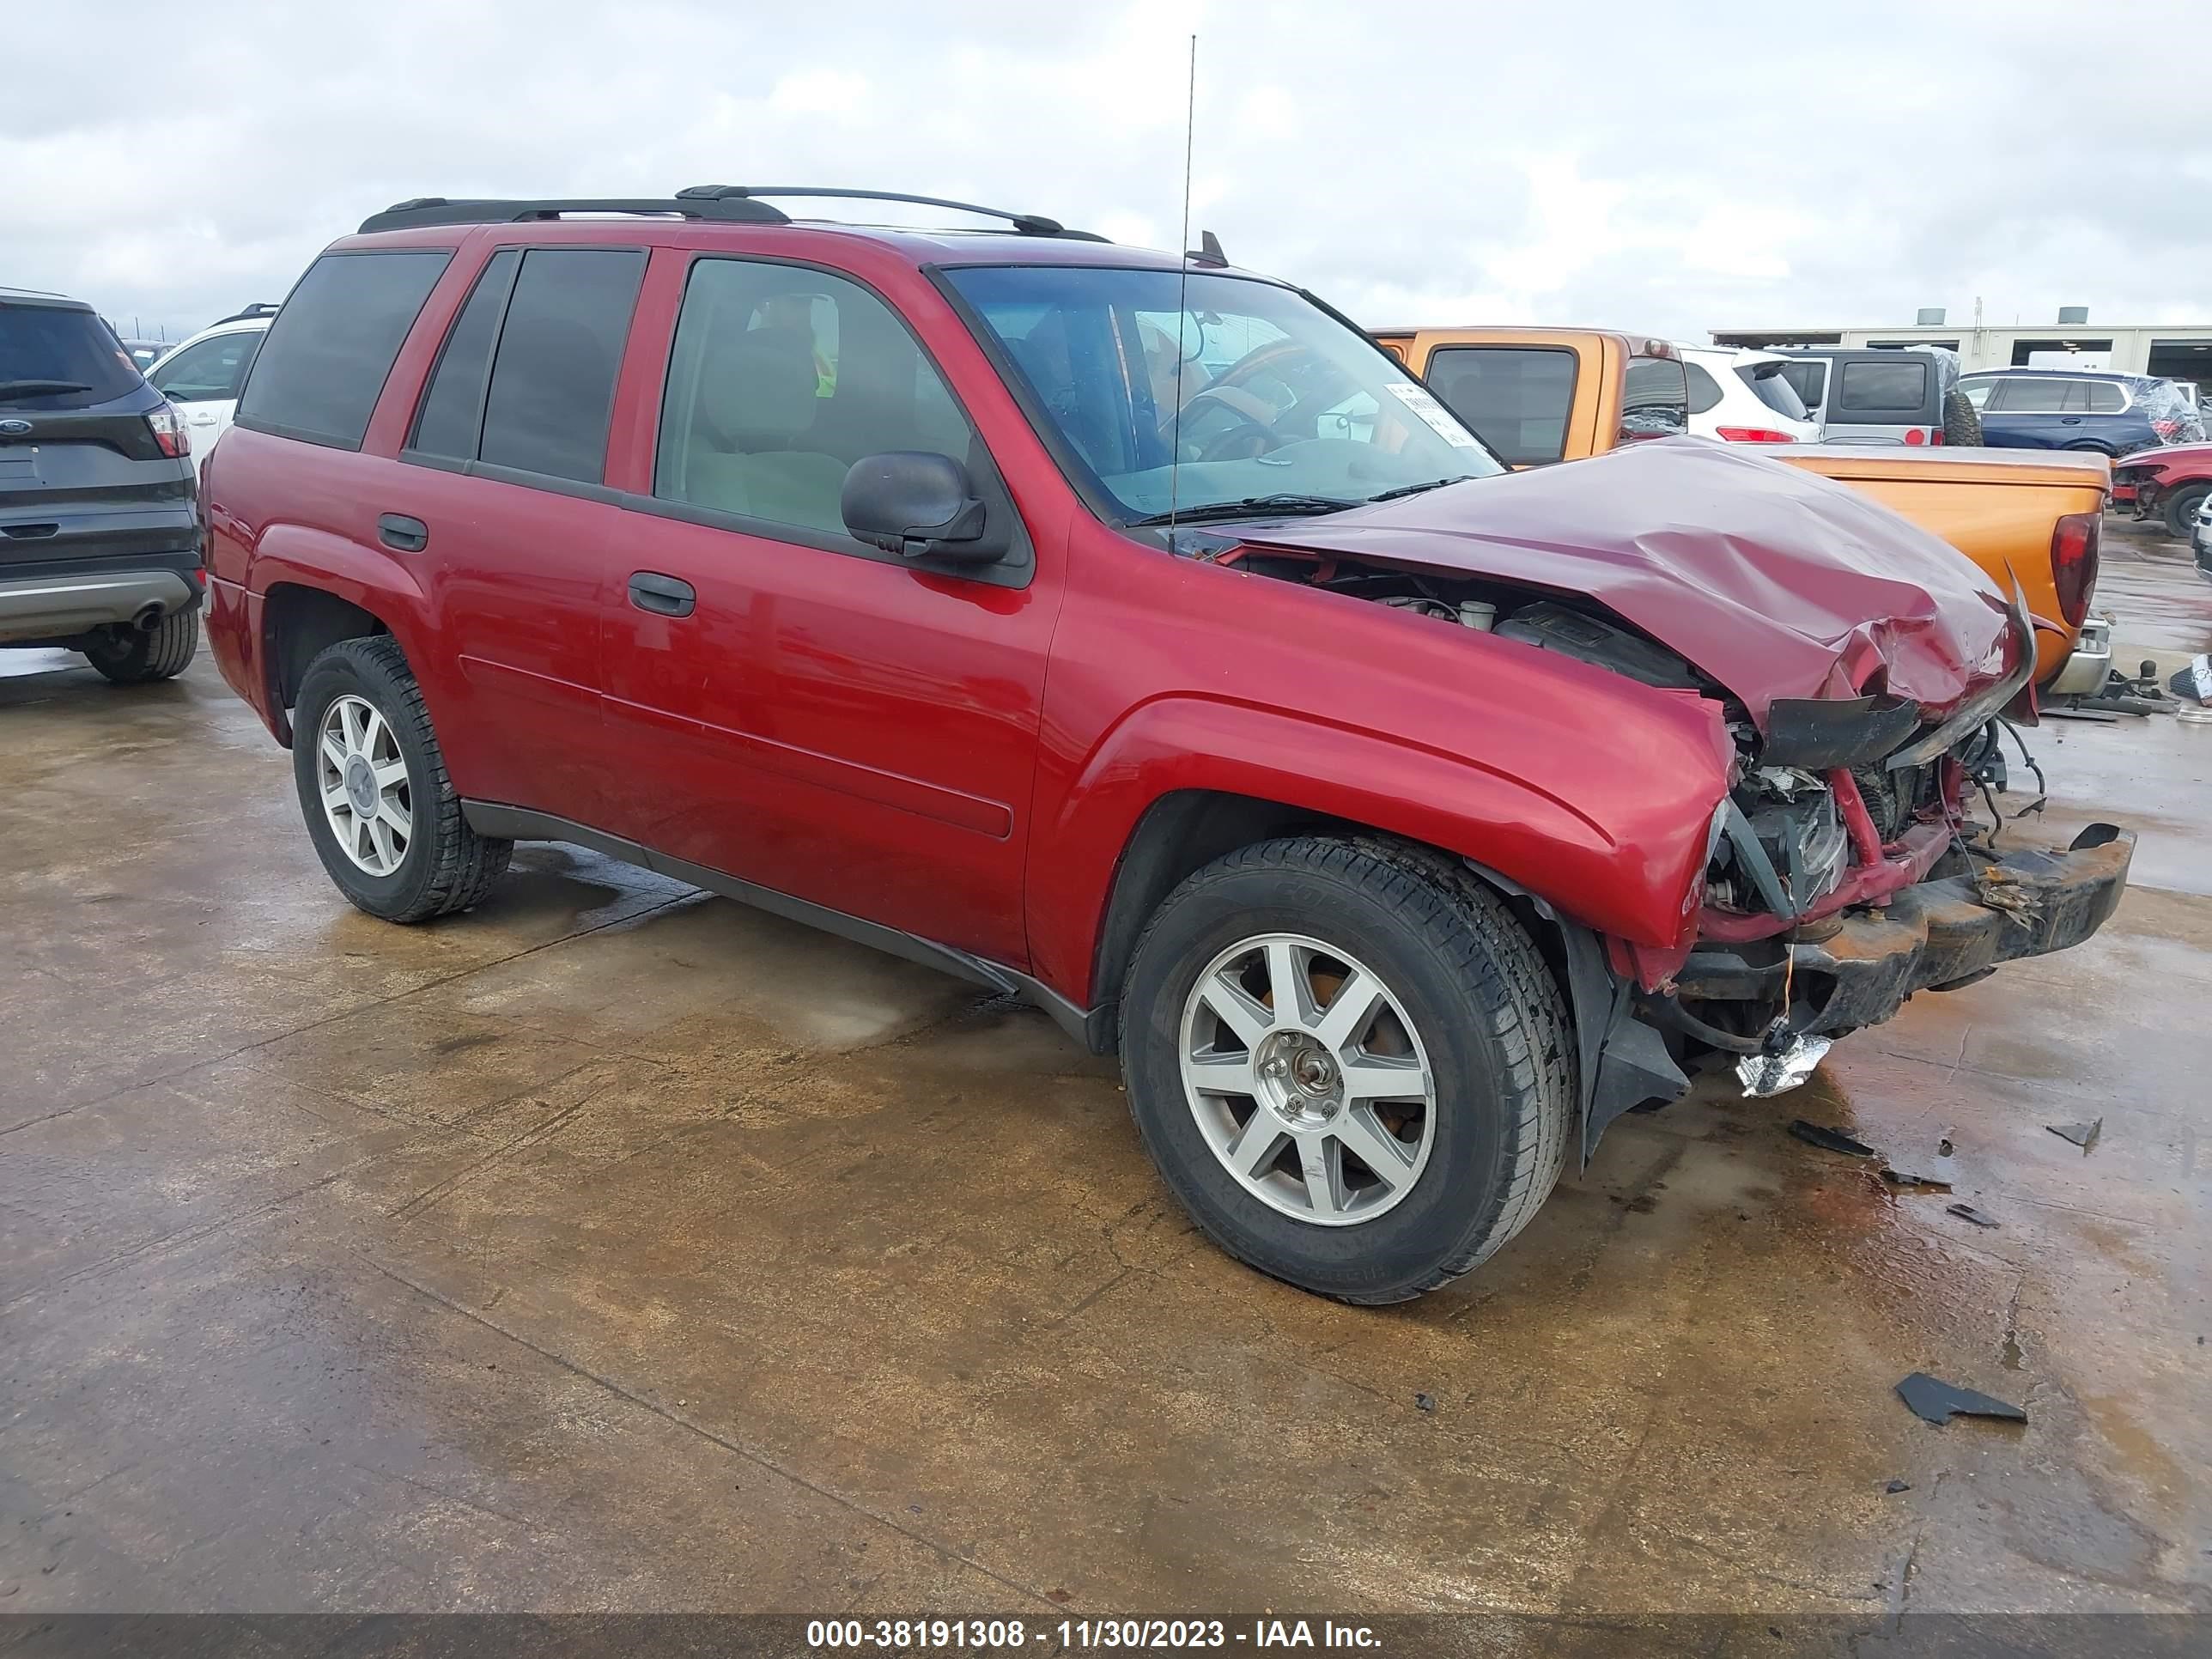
x,y
1962,422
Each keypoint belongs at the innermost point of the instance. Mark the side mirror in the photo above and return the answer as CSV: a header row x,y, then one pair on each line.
x,y
918,505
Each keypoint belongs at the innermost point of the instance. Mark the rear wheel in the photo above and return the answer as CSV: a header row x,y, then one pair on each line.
x,y
1350,1063
385,818
133,656
2181,508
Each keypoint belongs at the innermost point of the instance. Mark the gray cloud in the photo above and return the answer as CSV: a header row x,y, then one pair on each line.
x,y
1648,167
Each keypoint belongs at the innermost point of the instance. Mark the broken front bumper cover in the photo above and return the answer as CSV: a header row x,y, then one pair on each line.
x,y
1933,935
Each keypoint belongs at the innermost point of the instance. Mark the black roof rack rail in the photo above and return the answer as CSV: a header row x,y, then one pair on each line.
x,y
440,210
258,308
1027,224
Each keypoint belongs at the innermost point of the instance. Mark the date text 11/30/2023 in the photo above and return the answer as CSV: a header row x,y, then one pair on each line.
x,y
895,1635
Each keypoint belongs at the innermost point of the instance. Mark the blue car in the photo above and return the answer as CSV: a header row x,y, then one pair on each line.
x,y
2080,409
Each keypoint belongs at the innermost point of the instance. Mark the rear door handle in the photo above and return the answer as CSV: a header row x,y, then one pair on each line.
x,y
2070,419
397,530
665,596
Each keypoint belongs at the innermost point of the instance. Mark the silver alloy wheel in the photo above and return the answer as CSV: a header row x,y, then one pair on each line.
x,y
1307,1080
362,778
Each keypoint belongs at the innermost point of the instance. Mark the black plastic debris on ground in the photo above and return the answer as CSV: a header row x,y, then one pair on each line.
x,y
1829,1140
1968,1212
1934,1400
1426,1402
1937,1172
1897,1487
2083,1135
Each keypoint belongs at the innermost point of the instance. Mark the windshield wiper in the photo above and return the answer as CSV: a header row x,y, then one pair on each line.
x,y
1416,489
39,388
1285,505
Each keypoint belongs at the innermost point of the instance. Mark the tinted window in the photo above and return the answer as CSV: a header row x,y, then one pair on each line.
x,y
453,409
2039,396
2105,398
1868,388
1771,381
57,358
780,380
1516,398
1806,380
1655,399
560,348
323,363
210,372
1977,392
1704,391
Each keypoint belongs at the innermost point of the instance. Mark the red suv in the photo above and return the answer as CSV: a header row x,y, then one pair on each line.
x,y
1131,633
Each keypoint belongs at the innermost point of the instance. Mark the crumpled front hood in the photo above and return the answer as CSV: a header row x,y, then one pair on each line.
x,y
1775,582
2197,457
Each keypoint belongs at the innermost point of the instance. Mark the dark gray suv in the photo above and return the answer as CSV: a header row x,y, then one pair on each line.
x,y
99,527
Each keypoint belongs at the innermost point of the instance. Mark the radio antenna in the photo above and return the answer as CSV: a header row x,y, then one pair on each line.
x,y
1182,295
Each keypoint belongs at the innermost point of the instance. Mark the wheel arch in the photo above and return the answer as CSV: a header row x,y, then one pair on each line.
x,y
299,622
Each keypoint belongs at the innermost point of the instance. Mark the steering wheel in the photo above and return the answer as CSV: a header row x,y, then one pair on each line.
x,y
1252,433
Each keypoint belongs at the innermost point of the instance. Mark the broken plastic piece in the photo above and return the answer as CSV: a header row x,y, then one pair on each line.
x,y
1968,1212
1934,1400
1765,1075
1426,1402
1937,1172
1896,1486
2083,1135
2194,679
1829,1140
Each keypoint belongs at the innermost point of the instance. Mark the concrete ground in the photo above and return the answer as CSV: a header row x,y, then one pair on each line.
x,y
615,1247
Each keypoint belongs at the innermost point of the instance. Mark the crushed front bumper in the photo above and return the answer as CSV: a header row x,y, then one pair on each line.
x,y
1935,935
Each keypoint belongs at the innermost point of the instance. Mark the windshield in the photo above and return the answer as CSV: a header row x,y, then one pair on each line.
x,y
1278,399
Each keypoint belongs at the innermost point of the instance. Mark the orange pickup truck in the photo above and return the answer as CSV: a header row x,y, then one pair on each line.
x,y
1540,395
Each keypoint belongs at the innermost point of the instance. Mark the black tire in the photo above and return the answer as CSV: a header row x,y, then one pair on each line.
x,y
447,865
129,656
2180,509
1962,422
1487,1011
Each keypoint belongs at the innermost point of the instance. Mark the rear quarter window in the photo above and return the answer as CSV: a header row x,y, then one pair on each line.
x,y
2106,398
323,366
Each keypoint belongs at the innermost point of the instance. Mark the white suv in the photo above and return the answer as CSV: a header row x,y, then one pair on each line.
x,y
201,374
1742,396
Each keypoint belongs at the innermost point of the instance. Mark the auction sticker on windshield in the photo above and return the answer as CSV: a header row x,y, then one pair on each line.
x,y
1434,413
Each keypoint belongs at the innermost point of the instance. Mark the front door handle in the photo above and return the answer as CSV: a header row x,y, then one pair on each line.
x,y
664,596
397,530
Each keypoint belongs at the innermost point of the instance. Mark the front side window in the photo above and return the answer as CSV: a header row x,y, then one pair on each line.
x,y
780,378
552,388
1872,388
210,371
1516,398
323,363
1206,392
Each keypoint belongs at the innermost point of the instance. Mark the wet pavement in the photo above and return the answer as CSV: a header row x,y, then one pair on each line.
x,y
617,1248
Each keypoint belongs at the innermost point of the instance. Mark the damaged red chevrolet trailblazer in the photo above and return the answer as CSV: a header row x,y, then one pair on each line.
x,y
1131,634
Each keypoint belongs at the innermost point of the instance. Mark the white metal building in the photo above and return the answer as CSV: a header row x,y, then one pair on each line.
x,y
2173,351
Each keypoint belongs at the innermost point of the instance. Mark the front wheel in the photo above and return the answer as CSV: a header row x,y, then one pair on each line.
x,y
1349,1062
2181,508
384,815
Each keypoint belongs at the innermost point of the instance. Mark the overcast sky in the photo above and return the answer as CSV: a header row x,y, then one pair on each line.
x,y
1647,166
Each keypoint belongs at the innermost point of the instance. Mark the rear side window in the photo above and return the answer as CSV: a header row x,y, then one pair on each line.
x,y
1704,391
453,409
1655,399
1807,380
2026,396
1771,381
1516,398
59,357
1872,388
322,365
560,348
210,372
2106,398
